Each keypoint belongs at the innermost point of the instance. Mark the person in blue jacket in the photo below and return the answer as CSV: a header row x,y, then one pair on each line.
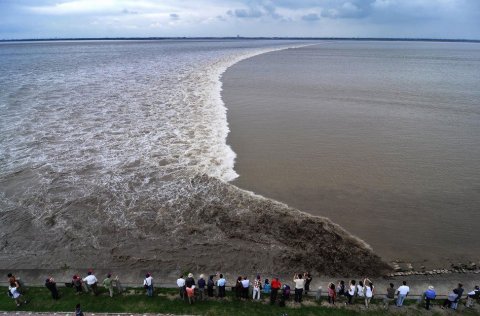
x,y
429,295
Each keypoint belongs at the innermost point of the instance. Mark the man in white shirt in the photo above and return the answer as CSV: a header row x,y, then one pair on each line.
x,y
148,283
91,281
402,292
245,285
299,286
181,286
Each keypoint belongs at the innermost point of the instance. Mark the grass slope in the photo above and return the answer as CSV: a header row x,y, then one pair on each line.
x,y
166,301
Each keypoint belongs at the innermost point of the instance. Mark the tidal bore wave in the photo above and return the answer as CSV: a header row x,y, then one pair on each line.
x,y
116,154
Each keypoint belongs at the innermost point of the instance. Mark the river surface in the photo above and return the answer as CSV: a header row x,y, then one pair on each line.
x,y
381,137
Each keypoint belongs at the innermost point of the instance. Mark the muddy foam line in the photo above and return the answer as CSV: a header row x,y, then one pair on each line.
x,y
215,110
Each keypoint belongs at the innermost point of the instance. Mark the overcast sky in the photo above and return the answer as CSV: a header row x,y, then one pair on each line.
x,y
303,18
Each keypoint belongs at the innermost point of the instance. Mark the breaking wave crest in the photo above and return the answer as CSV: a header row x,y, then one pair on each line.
x,y
136,120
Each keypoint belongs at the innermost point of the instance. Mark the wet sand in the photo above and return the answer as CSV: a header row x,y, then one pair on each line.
x,y
336,131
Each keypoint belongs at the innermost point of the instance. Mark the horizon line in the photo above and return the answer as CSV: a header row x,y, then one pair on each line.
x,y
419,39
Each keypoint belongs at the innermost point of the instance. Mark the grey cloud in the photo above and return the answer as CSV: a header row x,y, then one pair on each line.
x,y
174,16
243,13
349,9
311,17
256,9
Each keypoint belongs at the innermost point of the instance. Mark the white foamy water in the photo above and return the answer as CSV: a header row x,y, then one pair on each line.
x,y
130,117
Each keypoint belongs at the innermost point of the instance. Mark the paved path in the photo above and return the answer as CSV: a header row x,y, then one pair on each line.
x,y
73,314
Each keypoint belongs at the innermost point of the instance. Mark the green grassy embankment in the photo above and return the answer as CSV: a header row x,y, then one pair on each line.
x,y
134,300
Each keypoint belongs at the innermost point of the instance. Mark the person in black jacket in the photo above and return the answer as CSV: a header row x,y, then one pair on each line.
x,y
210,285
308,279
201,287
52,286
189,282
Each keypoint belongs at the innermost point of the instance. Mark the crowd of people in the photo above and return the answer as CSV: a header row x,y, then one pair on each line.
x,y
203,288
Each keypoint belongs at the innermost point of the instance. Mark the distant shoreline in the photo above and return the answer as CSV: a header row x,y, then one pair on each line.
x,y
386,39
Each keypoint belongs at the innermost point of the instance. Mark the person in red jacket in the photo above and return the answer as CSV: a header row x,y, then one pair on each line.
x,y
276,285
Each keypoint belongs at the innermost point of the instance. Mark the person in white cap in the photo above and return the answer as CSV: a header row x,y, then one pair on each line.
x,y
429,295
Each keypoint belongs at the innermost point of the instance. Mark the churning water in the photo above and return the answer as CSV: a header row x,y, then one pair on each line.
x,y
130,116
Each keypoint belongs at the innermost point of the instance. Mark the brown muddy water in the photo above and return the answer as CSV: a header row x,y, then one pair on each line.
x,y
381,137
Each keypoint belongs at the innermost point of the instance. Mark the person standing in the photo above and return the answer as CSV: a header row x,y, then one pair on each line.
x,y
52,287
275,287
181,287
451,297
350,292
429,296
257,286
341,288
299,286
148,284
267,288
308,279
472,296
210,286
15,294
332,294
390,296
238,288
245,287
221,283
360,290
402,293
201,287
91,281
108,284
460,293
190,284
369,289
77,284
118,284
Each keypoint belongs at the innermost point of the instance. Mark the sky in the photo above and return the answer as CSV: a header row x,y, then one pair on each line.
x,y
454,19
